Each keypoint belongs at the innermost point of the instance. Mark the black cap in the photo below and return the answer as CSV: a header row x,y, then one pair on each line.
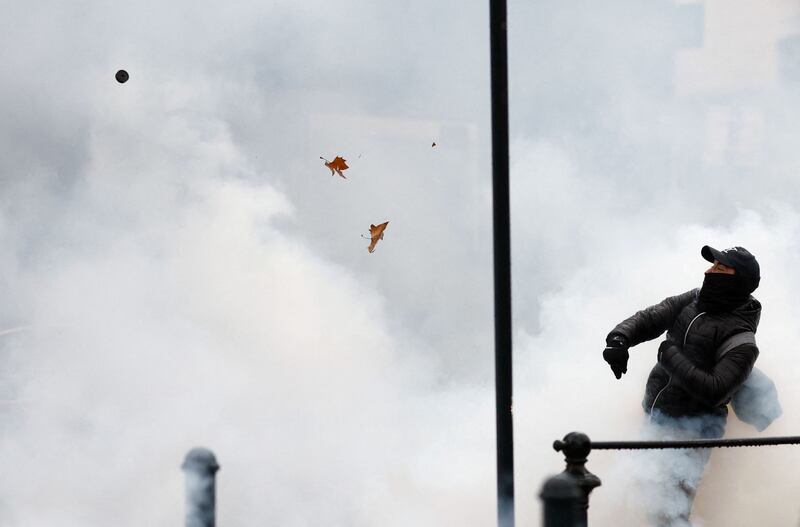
x,y
737,257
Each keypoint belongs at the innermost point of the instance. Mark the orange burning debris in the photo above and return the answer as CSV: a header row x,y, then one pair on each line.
x,y
336,166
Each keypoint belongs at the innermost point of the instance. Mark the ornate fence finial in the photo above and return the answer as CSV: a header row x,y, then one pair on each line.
x,y
576,447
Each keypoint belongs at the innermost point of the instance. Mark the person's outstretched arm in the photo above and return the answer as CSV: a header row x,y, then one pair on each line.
x,y
652,321
644,325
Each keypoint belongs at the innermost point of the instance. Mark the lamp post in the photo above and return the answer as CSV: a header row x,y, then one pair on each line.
x,y
502,263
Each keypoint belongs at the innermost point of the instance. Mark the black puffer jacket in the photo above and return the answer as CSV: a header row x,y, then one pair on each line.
x,y
689,380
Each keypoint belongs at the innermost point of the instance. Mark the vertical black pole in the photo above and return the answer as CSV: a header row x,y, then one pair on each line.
x,y
502,264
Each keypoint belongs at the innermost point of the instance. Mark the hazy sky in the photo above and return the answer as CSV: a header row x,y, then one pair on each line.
x,y
188,273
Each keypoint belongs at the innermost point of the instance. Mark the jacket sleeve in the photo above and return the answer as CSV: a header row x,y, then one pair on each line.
x,y
651,322
713,387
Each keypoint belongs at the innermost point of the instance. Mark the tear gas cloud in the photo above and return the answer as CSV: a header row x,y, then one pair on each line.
x,y
188,273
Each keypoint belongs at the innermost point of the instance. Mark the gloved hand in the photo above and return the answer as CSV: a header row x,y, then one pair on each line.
x,y
616,354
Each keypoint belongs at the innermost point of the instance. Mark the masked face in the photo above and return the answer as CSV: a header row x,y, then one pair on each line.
x,y
723,291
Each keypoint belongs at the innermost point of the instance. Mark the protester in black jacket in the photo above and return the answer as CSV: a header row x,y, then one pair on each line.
x,y
708,353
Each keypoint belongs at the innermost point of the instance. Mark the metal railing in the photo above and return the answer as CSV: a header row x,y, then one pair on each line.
x,y
565,496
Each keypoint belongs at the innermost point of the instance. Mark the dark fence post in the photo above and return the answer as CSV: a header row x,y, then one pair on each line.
x,y
200,467
562,499
576,447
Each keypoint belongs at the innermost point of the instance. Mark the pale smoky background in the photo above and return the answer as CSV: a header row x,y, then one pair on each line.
x,y
180,269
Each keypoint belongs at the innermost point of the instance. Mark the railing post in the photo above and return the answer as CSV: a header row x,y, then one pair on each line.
x,y
200,467
562,499
576,447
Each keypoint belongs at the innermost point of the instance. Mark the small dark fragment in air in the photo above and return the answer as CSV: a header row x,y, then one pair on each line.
x,y
121,76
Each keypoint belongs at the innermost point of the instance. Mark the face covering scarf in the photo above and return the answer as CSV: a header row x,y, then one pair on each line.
x,y
723,292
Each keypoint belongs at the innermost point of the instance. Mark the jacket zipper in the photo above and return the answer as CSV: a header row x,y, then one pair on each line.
x,y
685,335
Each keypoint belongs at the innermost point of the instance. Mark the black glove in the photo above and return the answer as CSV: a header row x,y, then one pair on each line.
x,y
616,354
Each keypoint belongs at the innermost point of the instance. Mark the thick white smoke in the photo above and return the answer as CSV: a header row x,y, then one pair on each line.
x,y
170,310
190,274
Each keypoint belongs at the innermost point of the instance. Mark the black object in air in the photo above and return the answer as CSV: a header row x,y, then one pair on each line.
x,y
121,76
